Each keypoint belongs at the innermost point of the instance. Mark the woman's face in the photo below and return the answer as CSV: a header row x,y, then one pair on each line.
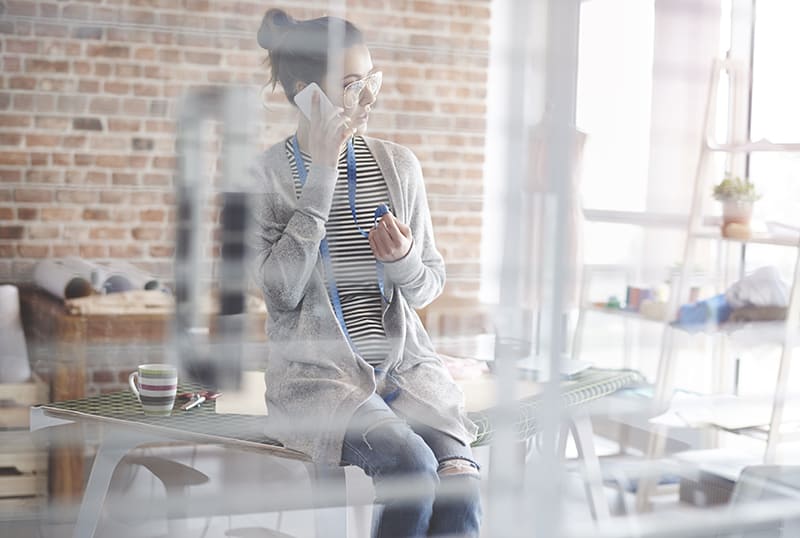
x,y
356,68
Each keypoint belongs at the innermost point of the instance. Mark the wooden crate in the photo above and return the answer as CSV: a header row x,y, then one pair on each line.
x,y
23,464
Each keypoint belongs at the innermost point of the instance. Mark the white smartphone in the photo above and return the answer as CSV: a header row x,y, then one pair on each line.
x,y
303,102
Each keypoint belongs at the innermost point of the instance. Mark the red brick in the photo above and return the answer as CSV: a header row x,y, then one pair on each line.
x,y
62,251
108,51
125,251
137,161
89,86
108,143
145,198
22,83
164,162
42,140
81,68
93,251
102,69
162,38
146,90
111,161
44,103
147,234
24,46
75,233
95,214
17,158
160,126
74,176
20,7
43,232
8,139
60,159
33,195
34,65
104,105
73,141
117,88
22,102
129,35
27,213
113,197
87,124
220,77
11,232
83,159
129,71
33,251
120,178
50,30
10,175
156,179
6,213
43,176
115,124
123,214
6,251
39,159
152,215
14,121
135,107
169,56
203,58
105,232
77,196
85,32
161,251
144,53
142,144
138,16
57,123
59,214
12,64
94,177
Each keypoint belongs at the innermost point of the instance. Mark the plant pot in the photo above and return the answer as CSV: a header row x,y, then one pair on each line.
x,y
738,212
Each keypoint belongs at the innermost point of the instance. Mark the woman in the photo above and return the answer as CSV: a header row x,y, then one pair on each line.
x,y
346,252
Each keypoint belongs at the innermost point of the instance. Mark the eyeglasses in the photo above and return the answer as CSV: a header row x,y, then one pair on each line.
x,y
352,92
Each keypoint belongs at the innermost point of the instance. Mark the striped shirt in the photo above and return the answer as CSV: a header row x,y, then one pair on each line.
x,y
351,256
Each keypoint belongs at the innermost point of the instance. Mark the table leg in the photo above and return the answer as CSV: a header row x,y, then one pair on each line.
x,y
330,500
583,435
109,454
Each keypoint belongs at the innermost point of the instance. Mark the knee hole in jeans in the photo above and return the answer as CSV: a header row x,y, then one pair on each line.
x,y
458,466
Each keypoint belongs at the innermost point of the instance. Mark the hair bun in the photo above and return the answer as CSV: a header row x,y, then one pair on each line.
x,y
274,26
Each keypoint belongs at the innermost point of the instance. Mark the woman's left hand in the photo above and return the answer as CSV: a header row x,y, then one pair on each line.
x,y
390,239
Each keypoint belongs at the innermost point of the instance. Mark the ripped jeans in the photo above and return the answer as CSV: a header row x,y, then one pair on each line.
x,y
415,463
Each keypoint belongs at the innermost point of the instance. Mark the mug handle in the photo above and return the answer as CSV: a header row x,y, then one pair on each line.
x,y
132,384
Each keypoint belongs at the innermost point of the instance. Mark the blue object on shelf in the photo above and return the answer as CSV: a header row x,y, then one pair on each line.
x,y
712,310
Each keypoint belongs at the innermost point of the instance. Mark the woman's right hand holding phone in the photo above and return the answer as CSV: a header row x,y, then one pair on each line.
x,y
326,135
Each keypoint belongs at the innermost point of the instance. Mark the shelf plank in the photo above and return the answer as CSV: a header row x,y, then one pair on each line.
x,y
620,312
756,238
755,146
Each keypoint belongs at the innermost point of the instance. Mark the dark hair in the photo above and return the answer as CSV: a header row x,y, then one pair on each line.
x,y
298,50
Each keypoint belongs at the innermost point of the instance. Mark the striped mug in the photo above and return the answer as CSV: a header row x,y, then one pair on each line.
x,y
155,385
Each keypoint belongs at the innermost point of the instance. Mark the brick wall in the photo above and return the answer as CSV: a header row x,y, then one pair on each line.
x,y
88,101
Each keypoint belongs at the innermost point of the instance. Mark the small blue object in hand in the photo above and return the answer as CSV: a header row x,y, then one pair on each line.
x,y
380,211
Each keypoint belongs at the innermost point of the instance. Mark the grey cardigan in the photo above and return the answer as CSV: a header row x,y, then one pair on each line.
x,y
314,380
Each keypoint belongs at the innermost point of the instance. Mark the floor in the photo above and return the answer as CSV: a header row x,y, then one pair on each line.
x,y
230,504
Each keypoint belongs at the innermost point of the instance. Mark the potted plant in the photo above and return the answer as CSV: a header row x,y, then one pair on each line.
x,y
737,196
